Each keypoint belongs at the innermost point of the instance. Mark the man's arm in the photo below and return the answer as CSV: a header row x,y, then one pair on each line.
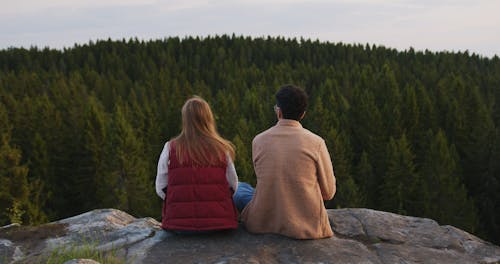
x,y
326,178
254,152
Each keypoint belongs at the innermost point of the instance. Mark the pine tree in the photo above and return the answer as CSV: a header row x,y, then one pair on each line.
x,y
95,160
15,189
401,187
447,200
39,195
493,199
368,134
409,112
128,182
474,142
389,99
365,178
243,162
348,194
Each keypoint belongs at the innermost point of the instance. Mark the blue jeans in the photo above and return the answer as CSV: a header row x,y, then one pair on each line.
x,y
243,195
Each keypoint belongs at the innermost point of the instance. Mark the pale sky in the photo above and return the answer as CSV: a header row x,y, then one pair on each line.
x,y
437,25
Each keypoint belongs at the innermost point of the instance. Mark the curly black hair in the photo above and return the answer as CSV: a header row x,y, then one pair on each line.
x,y
292,101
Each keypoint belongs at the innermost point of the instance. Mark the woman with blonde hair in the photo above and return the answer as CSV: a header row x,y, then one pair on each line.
x,y
196,176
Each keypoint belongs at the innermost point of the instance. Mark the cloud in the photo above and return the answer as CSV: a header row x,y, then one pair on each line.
x,y
460,26
23,7
423,24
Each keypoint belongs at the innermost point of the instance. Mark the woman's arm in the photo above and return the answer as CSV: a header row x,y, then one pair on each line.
x,y
231,176
162,173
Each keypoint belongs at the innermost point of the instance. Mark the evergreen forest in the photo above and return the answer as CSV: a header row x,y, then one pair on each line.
x,y
411,132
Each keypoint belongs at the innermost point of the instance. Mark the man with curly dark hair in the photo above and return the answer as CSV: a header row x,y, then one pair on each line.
x,y
294,175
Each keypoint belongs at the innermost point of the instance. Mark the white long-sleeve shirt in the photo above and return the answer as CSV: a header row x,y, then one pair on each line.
x,y
162,173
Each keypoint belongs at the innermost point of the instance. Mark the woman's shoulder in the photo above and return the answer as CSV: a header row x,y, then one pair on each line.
x,y
167,146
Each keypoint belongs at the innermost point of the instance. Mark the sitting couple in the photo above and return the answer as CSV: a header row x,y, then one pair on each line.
x,y
197,179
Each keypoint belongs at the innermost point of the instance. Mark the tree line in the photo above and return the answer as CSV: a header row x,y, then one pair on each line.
x,y
411,132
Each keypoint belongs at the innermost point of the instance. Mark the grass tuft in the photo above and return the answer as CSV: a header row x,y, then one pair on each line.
x,y
85,251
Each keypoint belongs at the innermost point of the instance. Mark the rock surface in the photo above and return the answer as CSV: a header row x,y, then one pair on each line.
x,y
361,236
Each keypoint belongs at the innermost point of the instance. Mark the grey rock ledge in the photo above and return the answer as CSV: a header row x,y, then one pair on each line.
x,y
361,236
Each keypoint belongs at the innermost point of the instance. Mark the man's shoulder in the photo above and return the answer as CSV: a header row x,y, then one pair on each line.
x,y
261,135
312,136
303,132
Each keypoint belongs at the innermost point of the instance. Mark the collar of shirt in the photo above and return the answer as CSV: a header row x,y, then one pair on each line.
x,y
289,122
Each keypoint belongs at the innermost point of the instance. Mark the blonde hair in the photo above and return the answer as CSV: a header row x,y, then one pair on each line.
x,y
199,140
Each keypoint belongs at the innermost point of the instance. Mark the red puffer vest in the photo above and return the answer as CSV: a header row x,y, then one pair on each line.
x,y
197,199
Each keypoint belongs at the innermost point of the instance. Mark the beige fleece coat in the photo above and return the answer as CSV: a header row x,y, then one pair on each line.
x,y
294,175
